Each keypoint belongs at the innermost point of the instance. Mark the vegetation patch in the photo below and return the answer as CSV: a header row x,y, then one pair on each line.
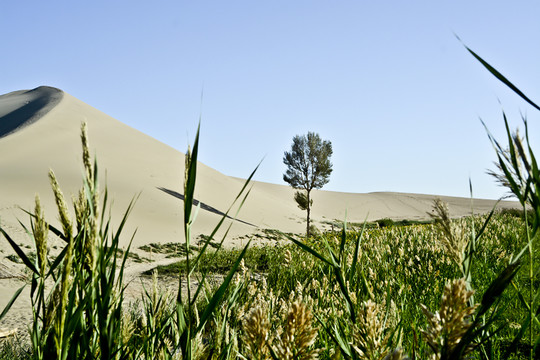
x,y
14,258
172,249
133,256
272,234
259,259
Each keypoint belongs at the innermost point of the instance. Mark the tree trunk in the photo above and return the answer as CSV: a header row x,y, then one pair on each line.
x,y
308,211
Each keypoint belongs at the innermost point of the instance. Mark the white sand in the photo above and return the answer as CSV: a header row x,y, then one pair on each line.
x,y
39,130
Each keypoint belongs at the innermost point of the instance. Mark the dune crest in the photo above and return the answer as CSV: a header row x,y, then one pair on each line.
x,y
19,109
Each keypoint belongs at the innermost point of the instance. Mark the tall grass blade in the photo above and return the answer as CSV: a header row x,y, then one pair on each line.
x,y
20,253
309,250
222,220
218,295
503,79
356,252
191,175
497,286
11,301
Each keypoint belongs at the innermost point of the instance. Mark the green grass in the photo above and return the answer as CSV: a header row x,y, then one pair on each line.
x,y
174,249
260,259
406,265
14,349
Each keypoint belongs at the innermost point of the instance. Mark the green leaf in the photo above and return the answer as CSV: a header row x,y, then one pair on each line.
x,y
225,216
343,240
191,175
345,292
10,303
356,252
214,301
309,250
503,79
20,253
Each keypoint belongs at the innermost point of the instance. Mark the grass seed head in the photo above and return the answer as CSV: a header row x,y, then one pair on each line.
x,y
257,332
243,268
447,326
299,335
62,207
287,258
87,161
368,336
40,231
452,235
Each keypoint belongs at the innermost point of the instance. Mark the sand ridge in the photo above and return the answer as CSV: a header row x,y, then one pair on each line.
x,y
21,108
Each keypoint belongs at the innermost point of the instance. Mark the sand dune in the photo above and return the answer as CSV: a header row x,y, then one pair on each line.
x,y
39,130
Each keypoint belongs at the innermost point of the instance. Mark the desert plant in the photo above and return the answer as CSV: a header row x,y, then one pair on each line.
x,y
308,167
189,326
80,316
519,172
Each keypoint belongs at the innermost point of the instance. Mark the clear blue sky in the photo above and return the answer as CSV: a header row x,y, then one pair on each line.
x,y
386,81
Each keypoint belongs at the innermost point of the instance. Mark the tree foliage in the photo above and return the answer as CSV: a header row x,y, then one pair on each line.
x,y
302,201
308,167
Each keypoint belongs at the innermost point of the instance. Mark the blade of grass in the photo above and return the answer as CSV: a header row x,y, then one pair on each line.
x,y
20,253
11,302
356,252
309,250
218,295
501,78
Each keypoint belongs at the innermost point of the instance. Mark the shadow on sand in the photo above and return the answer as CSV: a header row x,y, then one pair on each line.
x,y
203,205
33,105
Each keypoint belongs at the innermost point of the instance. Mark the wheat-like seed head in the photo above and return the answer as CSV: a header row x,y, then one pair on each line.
x,y
51,309
128,328
83,219
287,258
447,326
81,209
453,236
243,268
257,332
299,335
87,161
62,207
368,338
40,231
187,163
68,259
93,204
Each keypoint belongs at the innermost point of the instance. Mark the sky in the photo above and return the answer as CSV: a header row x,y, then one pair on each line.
x,y
387,82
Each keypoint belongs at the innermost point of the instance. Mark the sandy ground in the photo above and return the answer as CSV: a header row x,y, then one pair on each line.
x,y
39,130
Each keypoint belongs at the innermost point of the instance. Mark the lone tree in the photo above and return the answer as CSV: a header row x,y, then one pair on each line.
x,y
308,167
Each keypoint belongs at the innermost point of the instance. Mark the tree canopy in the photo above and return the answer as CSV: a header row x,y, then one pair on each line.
x,y
308,167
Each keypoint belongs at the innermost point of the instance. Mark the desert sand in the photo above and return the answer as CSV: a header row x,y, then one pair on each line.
x,y
40,130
